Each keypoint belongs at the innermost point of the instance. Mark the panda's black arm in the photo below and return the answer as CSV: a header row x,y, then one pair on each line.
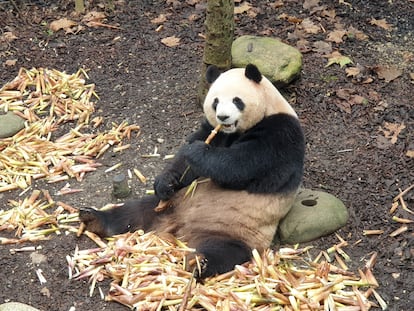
x,y
267,159
178,174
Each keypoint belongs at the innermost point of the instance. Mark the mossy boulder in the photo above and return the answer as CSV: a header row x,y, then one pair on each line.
x,y
314,214
16,306
279,62
10,124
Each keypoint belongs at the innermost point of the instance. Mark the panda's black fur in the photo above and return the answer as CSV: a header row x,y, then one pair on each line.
x,y
253,170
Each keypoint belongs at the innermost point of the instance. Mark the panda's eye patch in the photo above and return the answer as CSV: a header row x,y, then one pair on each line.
x,y
215,103
239,103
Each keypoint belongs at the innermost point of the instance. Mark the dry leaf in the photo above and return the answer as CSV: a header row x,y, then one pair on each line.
x,y
193,2
352,71
347,99
194,17
252,13
297,34
344,93
331,14
411,75
10,62
376,97
276,4
338,58
308,4
310,26
368,80
388,73
381,23
408,56
303,46
382,142
336,36
381,105
359,35
358,100
392,130
317,9
290,18
322,47
410,153
313,6
174,3
7,37
171,41
160,19
94,16
344,106
242,8
62,23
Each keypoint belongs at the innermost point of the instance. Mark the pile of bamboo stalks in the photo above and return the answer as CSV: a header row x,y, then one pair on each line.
x,y
35,217
148,273
47,99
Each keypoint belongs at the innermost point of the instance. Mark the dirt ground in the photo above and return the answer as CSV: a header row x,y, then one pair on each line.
x,y
147,83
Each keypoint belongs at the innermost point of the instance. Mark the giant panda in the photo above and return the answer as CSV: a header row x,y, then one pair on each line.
x,y
247,177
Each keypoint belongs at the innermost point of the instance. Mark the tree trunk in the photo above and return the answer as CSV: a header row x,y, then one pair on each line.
x,y
79,6
219,27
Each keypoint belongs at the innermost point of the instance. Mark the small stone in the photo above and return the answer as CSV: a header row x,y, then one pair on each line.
x,y
38,258
16,306
279,62
10,124
314,214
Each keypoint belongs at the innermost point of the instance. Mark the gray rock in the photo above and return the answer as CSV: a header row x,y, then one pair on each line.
x,y
16,306
314,214
279,62
10,124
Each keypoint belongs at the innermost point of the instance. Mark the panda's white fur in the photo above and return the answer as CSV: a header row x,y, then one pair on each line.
x,y
247,177
233,83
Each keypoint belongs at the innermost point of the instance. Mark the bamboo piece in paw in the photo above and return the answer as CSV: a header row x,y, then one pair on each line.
x,y
162,205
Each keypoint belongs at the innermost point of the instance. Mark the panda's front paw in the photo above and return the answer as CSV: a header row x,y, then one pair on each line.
x,y
195,151
165,185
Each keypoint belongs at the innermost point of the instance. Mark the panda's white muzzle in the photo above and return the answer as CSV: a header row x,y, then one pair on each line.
x,y
227,114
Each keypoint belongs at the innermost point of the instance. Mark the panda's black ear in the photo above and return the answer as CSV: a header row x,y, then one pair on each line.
x,y
252,73
212,73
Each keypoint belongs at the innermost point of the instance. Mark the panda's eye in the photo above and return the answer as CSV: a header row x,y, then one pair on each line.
x,y
215,103
239,103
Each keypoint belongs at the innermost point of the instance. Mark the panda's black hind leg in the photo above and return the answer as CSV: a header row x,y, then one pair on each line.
x,y
133,215
220,255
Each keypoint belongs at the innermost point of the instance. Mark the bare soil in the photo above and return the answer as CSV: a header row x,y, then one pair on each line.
x,y
149,84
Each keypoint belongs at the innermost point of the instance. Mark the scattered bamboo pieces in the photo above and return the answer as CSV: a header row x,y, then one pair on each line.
x,y
148,273
35,217
48,100
140,176
163,205
373,232
399,205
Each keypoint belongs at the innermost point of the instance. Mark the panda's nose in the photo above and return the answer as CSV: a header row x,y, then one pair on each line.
x,y
222,117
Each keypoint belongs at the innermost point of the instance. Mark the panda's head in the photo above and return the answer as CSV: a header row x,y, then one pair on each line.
x,y
240,98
